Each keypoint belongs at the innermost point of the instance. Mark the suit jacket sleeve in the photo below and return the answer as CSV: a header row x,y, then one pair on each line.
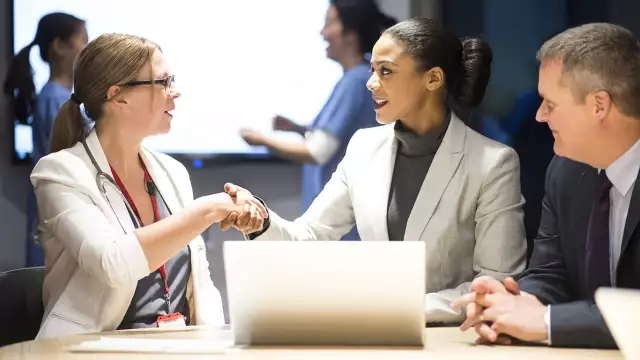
x,y
546,276
501,245
572,323
102,250
329,217
579,324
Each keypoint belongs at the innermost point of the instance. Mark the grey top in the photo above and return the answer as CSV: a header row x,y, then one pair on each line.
x,y
413,159
148,301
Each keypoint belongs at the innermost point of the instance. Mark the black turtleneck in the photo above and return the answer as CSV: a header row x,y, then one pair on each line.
x,y
413,159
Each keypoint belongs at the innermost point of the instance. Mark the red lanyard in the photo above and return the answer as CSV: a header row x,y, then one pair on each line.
x,y
156,217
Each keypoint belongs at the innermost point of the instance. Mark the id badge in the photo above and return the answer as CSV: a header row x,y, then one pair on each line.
x,y
171,321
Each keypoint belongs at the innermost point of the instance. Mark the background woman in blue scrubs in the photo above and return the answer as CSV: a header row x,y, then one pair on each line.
x,y
60,37
351,29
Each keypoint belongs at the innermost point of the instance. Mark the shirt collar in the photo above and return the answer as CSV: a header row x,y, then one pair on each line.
x,y
623,172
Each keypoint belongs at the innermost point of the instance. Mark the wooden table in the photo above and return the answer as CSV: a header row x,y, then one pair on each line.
x,y
441,343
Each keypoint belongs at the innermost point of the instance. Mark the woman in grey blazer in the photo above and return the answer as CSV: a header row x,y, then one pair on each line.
x,y
425,176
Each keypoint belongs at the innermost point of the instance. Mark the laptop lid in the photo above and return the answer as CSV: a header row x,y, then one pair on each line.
x,y
326,292
620,310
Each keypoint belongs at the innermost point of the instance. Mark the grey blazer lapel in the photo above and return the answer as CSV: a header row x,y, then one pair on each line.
x,y
380,184
444,166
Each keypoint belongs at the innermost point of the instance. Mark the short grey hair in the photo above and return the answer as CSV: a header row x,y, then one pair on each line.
x,y
599,56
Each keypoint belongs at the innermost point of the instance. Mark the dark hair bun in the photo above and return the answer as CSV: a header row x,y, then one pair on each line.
x,y
474,73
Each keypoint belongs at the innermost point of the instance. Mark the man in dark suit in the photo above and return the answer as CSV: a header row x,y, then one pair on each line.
x,y
589,234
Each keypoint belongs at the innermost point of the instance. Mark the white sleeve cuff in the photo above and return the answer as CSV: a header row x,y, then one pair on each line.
x,y
547,321
322,145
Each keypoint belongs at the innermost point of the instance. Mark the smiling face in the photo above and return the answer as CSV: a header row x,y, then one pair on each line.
x,y
146,108
589,79
338,41
332,33
574,124
399,90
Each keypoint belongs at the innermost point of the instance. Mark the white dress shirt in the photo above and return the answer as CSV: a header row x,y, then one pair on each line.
x,y
622,173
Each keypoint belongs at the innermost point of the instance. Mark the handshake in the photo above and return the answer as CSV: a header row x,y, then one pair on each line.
x,y
238,208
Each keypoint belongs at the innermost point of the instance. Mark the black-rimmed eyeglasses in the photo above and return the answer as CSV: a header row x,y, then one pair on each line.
x,y
168,82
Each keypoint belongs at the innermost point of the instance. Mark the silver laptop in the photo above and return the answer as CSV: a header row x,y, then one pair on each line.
x,y
326,292
620,310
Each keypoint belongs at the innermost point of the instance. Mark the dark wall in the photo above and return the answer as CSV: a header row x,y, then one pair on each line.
x,y
516,29
587,11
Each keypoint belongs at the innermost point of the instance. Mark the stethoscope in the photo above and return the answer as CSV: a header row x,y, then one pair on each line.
x,y
102,178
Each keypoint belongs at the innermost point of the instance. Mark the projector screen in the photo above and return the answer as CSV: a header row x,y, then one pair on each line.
x,y
237,63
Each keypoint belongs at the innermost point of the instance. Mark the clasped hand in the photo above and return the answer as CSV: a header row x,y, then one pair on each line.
x,y
251,218
495,309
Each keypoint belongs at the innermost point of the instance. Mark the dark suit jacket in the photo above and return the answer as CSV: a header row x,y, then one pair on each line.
x,y
557,269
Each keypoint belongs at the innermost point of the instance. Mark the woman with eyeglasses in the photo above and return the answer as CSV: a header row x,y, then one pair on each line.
x,y
59,38
119,225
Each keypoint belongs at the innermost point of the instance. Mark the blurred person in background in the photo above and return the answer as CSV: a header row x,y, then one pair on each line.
x,y
351,29
60,37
